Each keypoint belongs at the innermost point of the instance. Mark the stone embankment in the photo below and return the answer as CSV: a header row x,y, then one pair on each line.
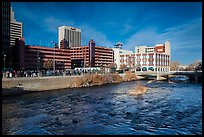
x,y
20,85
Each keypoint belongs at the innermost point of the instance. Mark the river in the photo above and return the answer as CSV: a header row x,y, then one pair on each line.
x,y
165,109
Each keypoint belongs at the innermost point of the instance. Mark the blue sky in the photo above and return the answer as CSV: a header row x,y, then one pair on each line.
x,y
133,23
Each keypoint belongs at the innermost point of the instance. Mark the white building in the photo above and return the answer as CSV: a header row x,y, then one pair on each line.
x,y
70,34
145,58
155,58
15,29
117,53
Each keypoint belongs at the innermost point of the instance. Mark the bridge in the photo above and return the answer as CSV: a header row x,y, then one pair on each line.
x,y
193,75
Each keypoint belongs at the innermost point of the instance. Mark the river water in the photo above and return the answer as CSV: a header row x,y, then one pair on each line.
x,y
166,108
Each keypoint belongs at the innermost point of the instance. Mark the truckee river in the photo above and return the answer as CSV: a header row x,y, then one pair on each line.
x,y
166,109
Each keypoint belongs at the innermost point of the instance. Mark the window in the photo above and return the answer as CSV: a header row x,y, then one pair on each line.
x,y
144,57
151,56
144,69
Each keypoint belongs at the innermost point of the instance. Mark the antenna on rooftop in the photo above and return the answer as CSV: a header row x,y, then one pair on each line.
x,y
118,45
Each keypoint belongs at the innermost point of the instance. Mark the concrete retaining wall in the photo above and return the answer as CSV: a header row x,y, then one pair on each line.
x,y
21,85
38,83
29,84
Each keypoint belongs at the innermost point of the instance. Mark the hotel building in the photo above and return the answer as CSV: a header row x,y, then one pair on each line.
x,y
71,35
118,53
145,58
15,29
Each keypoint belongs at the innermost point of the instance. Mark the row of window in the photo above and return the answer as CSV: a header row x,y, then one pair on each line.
x,y
145,56
145,63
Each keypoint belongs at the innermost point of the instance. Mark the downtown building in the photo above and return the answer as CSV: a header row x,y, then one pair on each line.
x,y
118,52
30,57
6,49
156,58
15,29
71,36
91,55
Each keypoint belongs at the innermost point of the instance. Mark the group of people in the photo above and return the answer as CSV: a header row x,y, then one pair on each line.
x,y
28,73
21,73
35,73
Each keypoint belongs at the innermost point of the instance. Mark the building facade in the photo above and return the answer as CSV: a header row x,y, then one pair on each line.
x,y
15,29
118,52
6,53
128,60
91,55
31,57
71,35
145,58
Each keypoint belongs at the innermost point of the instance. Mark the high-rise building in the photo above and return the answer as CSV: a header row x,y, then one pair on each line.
x,y
5,26
15,29
71,35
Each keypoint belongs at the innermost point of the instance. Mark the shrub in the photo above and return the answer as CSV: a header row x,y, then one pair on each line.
x,y
96,79
117,78
139,89
129,76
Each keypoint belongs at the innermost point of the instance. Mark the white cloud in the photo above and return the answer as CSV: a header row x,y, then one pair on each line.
x,y
185,39
89,32
127,28
52,23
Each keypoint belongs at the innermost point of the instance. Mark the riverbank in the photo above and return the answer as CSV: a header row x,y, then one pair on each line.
x,y
11,86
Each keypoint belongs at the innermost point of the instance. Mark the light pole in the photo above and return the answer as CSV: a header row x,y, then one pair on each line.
x,y
54,57
4,61
38,61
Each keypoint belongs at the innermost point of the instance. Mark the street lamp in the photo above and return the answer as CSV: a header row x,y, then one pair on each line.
x,y
54,57
38,61
4,61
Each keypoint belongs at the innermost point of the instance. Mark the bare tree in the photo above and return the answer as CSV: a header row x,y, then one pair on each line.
x,y
123,67
174,65
111,65
48,64
196,65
